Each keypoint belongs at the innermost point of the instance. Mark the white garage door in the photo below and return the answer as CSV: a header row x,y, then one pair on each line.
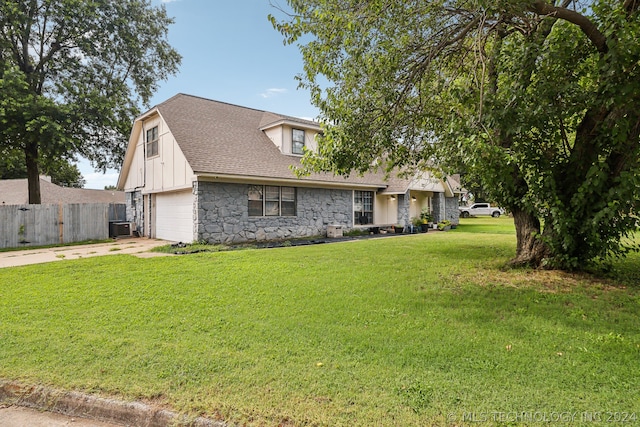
x,y
174,216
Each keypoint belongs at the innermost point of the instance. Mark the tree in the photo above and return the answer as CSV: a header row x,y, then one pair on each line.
x,y
72,74
62,172
538,102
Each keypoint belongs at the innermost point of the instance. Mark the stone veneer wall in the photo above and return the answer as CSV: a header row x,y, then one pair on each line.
x,y
438,206
452,213
135,211
222,214
404,206
445,208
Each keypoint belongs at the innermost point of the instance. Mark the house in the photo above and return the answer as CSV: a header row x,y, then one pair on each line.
x,y
203,170
16,192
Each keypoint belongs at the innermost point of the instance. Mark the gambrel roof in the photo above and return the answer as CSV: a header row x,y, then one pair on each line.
x,y
226,139
221,139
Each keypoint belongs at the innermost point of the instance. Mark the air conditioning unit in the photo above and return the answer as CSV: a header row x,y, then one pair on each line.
x,y
119,229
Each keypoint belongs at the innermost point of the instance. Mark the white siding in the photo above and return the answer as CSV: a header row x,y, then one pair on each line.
x,y
310,140
385,209
167,171
423,201
174,216
275,135
135,177
282,137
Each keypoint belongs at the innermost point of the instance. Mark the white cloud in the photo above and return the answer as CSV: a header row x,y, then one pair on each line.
x,y
272,92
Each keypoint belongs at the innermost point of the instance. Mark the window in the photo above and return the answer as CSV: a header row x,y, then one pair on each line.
x,y
255,200
363,207
272,201
298,141
269,200
288,201
152,142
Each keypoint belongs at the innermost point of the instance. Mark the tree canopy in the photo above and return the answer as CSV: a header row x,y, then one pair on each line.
x,y
537,100
63,172
73,74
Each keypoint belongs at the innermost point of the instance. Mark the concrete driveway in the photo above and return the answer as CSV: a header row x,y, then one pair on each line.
x,y
136,246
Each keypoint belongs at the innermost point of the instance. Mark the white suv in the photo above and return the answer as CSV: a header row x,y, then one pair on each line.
x,y
478,209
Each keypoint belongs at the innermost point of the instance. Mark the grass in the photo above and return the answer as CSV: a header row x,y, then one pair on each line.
x,y
502,225
426,329
28,248
189,248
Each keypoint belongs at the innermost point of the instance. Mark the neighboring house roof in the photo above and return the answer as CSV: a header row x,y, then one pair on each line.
x,y
16,192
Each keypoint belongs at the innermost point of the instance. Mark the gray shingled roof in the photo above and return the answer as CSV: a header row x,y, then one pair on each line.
x,y
16,192
225,139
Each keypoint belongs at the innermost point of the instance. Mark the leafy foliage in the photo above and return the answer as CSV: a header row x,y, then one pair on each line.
x,y
538,103
72,74
62,172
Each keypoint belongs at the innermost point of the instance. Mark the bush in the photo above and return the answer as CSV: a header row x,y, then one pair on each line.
x,y
443,224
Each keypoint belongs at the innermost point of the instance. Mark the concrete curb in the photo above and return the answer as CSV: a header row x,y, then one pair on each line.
x,y
77,404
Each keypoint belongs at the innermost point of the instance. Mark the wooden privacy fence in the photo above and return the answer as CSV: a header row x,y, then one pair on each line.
x,y
35,225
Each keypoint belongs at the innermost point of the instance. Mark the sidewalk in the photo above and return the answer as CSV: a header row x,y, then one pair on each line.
x,y
135,246
15,416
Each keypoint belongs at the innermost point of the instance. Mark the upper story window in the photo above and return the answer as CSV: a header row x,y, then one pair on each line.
x,y
152,141
298,141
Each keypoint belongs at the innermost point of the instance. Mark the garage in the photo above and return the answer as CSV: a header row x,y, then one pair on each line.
x,y
174,216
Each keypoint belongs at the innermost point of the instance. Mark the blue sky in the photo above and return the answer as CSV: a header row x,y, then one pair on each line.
x,y
231,53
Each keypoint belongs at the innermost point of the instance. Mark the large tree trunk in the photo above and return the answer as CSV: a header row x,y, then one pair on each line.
x,y
33,172
530,249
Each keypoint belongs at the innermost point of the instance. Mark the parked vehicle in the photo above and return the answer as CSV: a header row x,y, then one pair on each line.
x,y
478,209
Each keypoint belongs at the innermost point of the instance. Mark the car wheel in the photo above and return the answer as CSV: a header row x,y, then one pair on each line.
x,y
465,214
496,214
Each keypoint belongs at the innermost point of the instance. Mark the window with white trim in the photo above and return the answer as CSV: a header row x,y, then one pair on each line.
x,y
362,207
271,200
297,137
152,142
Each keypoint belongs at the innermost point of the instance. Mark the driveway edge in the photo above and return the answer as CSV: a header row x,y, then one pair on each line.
x,y
76,404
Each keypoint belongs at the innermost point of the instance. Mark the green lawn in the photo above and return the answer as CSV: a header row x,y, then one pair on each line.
x,y
416,330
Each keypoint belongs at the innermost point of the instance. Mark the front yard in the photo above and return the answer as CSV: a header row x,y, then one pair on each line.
x,y
424,329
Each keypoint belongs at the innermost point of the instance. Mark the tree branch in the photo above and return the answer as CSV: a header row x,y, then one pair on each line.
x,y
631,6
586,25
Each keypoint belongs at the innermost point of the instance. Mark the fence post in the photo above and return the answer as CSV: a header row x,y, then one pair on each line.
x,y
60,223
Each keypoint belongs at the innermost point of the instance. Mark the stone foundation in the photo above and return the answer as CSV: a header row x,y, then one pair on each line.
x,y
222,214
135,212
